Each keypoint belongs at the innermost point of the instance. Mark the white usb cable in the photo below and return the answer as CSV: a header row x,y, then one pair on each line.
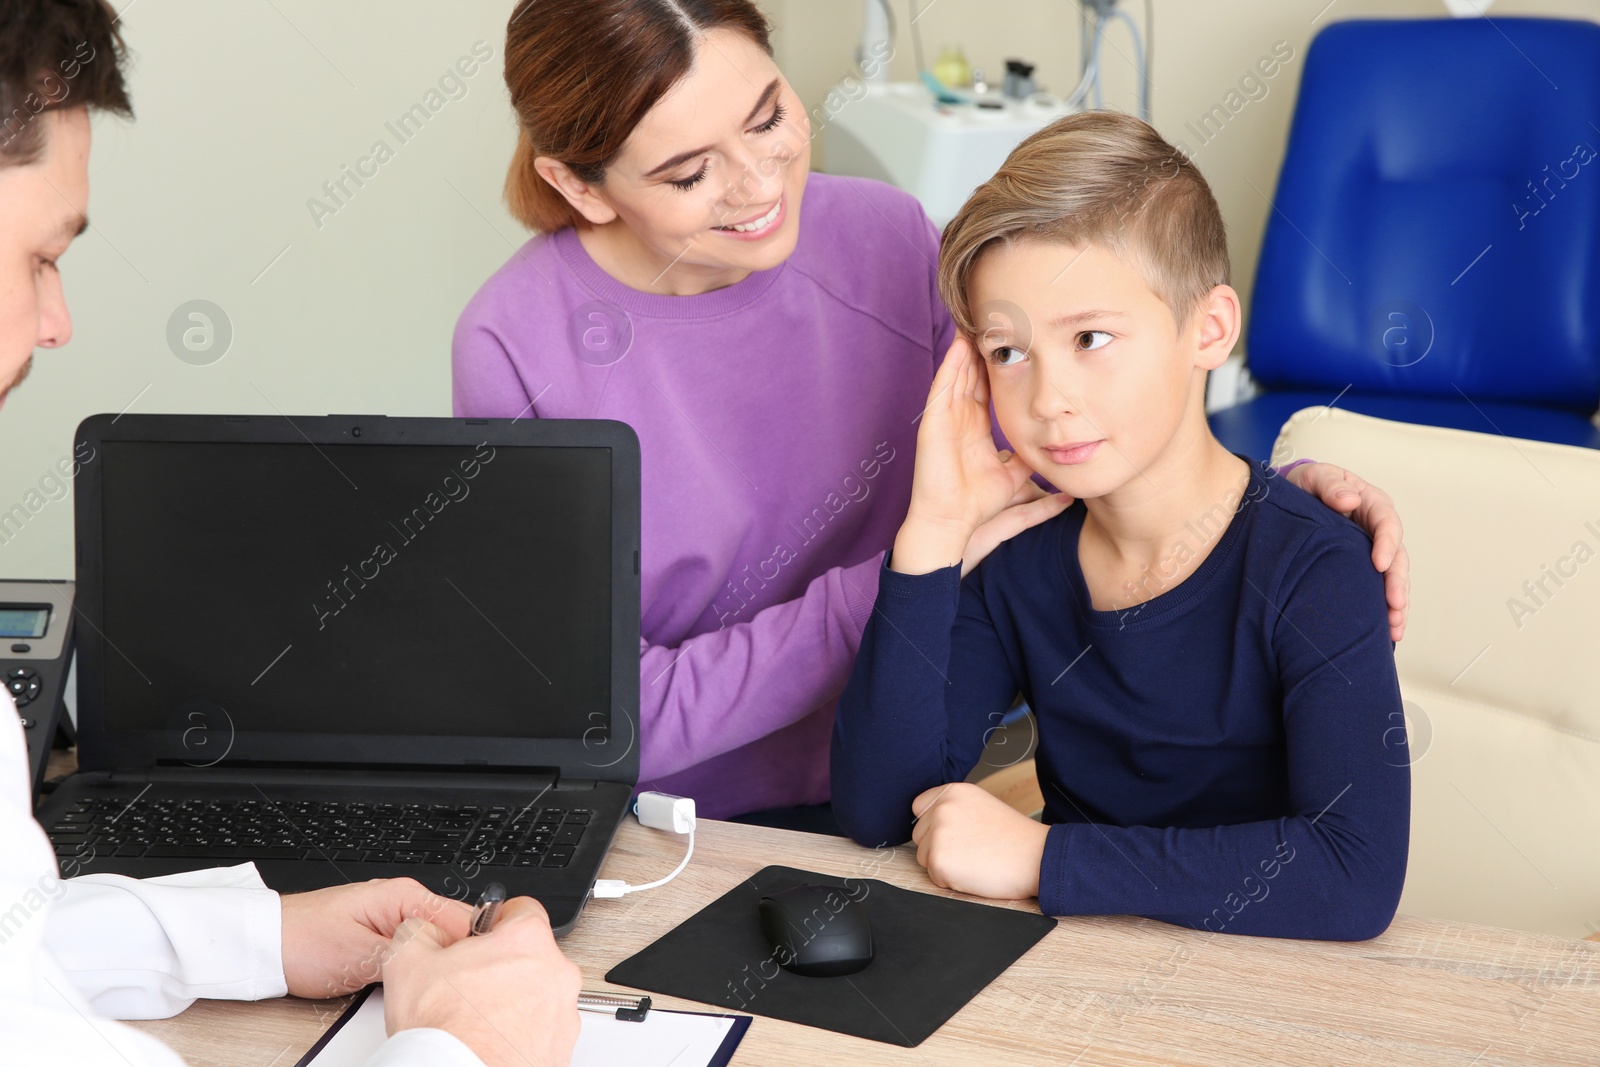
x,y
663,812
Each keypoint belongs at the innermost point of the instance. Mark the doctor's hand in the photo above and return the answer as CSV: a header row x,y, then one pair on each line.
x,y
961,481
973,842
335,939
509,995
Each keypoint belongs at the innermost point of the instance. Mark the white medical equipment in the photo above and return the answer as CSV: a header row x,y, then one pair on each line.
x,y
941,142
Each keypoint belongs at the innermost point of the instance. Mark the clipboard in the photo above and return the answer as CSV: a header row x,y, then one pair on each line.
x,y
679,1038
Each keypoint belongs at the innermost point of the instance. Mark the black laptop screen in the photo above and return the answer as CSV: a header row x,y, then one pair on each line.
x,y
353,589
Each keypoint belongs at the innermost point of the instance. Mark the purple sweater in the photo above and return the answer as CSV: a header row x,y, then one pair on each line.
x,y
776,419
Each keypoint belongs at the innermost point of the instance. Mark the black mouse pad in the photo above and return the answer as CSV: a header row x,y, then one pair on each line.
x,y
932,955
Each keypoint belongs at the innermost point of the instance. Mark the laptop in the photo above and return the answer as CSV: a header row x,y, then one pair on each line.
x,y
354,647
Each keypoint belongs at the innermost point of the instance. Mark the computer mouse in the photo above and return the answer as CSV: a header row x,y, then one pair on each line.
x,y
817,931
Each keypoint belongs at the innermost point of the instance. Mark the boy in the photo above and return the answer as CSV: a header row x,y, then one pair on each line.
x,y
1205,646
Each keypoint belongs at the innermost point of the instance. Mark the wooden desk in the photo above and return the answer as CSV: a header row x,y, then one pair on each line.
x,y
1096,991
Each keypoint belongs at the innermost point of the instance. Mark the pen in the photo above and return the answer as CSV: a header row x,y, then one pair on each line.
x,y
488,909
628,1009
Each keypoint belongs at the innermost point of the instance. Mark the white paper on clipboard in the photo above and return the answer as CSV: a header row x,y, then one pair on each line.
x,y
681,1039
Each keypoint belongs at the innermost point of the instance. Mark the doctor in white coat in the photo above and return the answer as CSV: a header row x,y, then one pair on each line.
x,y
76,953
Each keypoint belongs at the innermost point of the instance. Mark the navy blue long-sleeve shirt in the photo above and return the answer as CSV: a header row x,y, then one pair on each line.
x,y
1228,755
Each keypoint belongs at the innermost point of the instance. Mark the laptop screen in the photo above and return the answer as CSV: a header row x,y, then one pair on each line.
x,y
441,590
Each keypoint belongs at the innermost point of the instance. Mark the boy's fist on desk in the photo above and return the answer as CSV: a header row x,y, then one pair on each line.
x,y
973,842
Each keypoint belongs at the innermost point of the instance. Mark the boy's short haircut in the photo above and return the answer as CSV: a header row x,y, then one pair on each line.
x,y
55,55
1101,178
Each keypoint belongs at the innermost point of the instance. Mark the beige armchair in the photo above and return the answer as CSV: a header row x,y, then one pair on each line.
x,y
1499,668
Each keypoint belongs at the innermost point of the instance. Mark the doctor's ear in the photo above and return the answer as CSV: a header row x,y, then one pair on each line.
x,y
580,194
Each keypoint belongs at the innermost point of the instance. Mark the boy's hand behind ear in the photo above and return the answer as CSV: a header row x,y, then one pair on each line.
x,y
961,481
1029,507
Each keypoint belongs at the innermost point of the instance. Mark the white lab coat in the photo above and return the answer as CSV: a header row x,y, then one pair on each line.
x,y
79,952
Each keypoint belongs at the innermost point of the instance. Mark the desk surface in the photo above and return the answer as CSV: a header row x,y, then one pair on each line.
x,y
1095,991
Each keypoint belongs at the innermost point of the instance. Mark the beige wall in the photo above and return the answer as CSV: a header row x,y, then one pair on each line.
x,y
244,110
1202,48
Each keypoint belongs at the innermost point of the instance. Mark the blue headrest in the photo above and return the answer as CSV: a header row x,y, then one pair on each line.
x,y
1436,229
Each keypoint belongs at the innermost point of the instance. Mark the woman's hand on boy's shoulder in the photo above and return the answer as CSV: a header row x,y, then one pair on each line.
x,y
961,481
973,842
1373,510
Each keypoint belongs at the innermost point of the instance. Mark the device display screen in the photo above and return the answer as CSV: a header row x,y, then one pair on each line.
x,y
461,591
23,620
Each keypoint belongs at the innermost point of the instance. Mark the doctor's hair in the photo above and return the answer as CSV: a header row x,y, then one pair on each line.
x,y
54,55
1095,178
583,73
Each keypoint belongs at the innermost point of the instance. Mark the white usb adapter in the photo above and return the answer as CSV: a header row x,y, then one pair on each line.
x,y
661,811
665,812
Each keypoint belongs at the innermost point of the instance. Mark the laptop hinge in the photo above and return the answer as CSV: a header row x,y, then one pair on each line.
x,y
476,777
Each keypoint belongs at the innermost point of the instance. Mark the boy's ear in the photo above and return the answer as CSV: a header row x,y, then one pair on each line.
x,y
580,194
1218,321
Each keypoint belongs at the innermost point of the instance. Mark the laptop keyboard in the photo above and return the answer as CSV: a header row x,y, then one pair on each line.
x,y
213,830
